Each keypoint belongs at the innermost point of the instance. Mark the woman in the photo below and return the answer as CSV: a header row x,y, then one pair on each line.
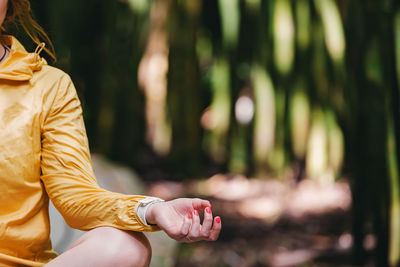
x,y
44,154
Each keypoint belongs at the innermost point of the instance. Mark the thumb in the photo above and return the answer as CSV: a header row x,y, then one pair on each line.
x,y
200,204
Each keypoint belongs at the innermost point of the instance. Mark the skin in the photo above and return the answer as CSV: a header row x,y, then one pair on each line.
x,y
3,12
179,218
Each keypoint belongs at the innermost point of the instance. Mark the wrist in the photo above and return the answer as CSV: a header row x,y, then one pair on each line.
x,y
151,214
144,205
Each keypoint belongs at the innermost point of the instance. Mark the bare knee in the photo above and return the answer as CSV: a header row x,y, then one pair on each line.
x,y
121,248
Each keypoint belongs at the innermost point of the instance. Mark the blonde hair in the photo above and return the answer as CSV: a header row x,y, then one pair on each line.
x,y
19,12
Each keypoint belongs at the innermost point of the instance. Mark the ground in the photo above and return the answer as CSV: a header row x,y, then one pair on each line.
x,y
267,222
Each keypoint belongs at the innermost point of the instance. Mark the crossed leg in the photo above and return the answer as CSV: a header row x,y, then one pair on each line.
x,y
106,246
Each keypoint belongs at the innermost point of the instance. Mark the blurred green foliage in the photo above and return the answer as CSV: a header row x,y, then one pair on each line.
x,y
322,77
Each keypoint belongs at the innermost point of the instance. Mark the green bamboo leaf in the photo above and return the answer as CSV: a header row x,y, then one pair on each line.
x,y
317,156
394,239
397,43
264,120
238,155
253,4
221,95
335,143
277,158
283,36
139,6
230,21
333,28
303,23
219,109
300,122
373,67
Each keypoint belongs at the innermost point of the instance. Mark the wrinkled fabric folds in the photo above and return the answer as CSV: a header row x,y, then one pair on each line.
x,y
44,154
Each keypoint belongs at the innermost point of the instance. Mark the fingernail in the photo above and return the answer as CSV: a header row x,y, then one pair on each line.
x,y
188,216
218,220
195,212
208,210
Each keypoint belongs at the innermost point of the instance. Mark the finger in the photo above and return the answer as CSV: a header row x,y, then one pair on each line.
x,y
186,226
200,204
185,230
207,223
195,227
216,229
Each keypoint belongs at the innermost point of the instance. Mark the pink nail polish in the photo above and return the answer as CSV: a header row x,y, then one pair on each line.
x,y
195,212
218,220
189,217
208,210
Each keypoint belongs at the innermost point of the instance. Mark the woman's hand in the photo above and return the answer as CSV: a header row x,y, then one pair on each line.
x,y
180,219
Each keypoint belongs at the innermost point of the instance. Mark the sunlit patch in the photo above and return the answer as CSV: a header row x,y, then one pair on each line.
x,y
233,189
265,208
269,199
244,109
152,78
313,198
254,204
345,241
232,258
292,257
207,121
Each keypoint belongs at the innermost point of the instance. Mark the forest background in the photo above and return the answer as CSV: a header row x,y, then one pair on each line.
x,y
289,90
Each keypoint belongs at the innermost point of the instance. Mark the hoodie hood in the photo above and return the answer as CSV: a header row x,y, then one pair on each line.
x,y
20,65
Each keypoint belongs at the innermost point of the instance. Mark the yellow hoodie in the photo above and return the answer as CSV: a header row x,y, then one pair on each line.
x,y
44,154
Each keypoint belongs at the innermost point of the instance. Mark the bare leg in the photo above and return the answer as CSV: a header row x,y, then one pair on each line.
x,y
106,246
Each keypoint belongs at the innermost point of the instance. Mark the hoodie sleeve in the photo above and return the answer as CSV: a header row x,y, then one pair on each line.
x,y
67,172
